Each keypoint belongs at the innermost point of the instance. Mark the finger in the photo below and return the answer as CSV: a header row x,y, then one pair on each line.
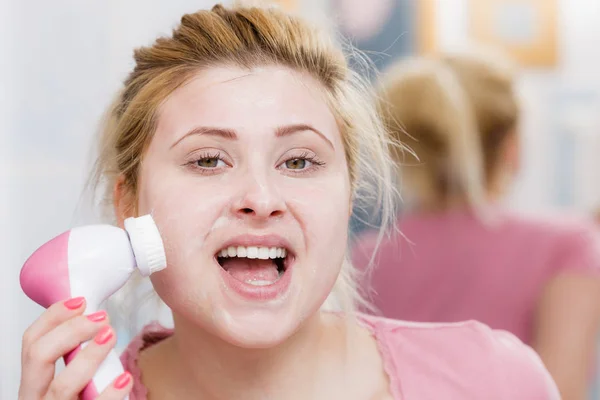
x,y
55,315
41,356
33,382
80,371
119,389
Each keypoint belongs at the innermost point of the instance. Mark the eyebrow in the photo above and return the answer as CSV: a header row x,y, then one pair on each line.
x,y
208,131
230,134
291,129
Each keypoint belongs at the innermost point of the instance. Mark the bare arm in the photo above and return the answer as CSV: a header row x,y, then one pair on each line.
x,y
567,330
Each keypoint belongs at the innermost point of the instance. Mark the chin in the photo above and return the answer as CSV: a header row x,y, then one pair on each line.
x,y
264,316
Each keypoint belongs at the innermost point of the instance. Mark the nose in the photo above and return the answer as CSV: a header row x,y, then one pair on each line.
x,y
259,200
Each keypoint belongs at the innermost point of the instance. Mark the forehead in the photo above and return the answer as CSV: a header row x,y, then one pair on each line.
x,y
242,99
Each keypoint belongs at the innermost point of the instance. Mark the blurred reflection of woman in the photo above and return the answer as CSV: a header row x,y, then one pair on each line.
x,y
460,254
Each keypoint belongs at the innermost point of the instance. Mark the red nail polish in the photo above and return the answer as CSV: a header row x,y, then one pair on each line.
x,y
97,316
123,380
104,335
74,303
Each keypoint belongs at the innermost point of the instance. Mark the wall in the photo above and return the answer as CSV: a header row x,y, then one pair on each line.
x,y
7,288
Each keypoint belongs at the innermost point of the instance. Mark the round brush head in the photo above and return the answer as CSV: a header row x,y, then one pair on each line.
x,y
147,244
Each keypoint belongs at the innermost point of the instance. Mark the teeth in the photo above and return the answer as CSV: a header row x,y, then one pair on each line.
x,y
273,252
252,252
262,253
259,283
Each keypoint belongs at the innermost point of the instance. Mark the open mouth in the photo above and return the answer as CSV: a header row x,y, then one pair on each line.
x,y
257,266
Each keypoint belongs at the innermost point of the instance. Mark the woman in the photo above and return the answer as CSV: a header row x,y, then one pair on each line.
x,y
246,131
461,254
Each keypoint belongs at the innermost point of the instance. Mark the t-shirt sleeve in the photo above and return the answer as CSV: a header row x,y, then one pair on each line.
x,y
465,360
578,249
519,371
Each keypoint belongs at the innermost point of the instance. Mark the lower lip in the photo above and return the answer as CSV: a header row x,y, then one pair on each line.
x,y
258,293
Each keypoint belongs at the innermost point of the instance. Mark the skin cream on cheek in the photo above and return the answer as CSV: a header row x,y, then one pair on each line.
x,y
187,222
218,224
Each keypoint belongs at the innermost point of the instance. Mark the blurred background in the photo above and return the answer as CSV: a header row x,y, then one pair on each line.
x,y
61,61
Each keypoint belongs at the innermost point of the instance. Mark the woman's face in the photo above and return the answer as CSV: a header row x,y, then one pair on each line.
x,y
248,183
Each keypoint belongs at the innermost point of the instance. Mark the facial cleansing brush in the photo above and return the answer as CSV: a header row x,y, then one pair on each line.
x,y
93,261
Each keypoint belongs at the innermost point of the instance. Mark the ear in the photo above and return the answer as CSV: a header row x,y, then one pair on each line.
x,y
123,201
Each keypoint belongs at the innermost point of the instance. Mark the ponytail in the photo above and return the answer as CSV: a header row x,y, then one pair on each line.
x,y
425,106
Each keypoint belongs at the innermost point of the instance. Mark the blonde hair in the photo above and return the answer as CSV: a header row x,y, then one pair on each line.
x,y
248,37
453,112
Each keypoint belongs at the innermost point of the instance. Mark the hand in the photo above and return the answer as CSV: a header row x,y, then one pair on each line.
x,y
60,329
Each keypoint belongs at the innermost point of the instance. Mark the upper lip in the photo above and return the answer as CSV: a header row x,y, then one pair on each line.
x,y
257,241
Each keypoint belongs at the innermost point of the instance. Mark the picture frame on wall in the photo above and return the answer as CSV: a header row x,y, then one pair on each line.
x,y
524,29
427,28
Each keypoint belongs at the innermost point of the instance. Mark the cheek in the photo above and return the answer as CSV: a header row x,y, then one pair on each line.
x,y
324,213
184,210
323,209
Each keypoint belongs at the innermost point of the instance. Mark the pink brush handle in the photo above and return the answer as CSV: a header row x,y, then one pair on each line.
x,y
108,371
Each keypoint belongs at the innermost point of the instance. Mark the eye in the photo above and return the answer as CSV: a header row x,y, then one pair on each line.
x,y
302,163
297,163
210,162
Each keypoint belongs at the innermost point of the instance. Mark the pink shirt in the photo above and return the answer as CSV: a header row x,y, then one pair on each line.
x,y
451,267
462,361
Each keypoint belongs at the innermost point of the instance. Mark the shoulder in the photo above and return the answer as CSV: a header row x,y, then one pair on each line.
x,y
570,242
575,242
461,360
150,335
555,225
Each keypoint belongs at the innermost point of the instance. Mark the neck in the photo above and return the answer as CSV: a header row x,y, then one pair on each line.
x,y
494,192
200,365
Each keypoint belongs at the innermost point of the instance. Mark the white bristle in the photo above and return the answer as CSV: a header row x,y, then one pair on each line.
x,y
147,244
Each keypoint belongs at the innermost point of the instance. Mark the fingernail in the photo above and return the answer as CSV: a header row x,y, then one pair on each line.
x,y
97,316
74,303
104,335
123,380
